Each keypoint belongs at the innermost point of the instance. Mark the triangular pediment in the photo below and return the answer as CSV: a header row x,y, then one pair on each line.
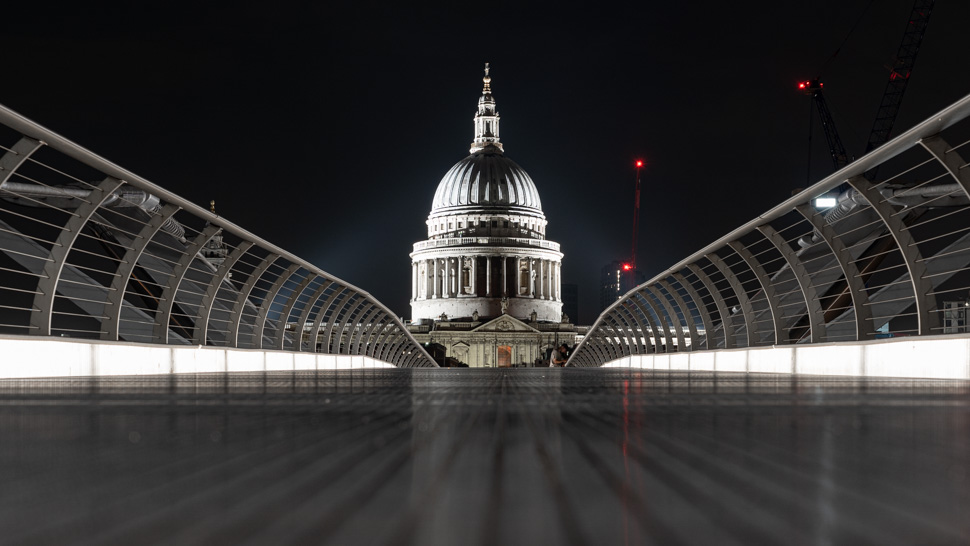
x,y
505,323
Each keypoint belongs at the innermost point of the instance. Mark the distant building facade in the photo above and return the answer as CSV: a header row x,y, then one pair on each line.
x,y
486,283
616,280
955,317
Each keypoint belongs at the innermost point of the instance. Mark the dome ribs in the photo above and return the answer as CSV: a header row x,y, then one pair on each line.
x,y
511,190
486,180
460,194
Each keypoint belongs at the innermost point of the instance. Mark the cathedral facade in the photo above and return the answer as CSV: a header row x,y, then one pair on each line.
x,y
486,282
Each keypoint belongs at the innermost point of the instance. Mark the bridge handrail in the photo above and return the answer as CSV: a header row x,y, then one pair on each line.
x,y
169,216
703,290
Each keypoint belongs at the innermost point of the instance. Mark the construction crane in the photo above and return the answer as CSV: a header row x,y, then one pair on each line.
x,y
899,74
837,297
636,223
836,148
892,97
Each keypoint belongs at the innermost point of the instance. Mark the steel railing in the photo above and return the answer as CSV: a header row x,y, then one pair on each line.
x,y
91,250
892,259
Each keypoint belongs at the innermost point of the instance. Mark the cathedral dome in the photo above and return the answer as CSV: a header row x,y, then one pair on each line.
x,y
486,180
486,254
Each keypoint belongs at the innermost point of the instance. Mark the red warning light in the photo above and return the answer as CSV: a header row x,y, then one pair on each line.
x,y
627,267
639,163
801,85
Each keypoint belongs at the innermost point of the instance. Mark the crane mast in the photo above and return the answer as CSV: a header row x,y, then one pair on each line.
x,y
903,64
636,221
836,149
899,74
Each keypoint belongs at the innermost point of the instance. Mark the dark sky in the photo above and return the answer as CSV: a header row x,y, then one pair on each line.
x,y
326,128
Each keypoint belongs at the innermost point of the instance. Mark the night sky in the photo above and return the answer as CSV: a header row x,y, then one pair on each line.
x,y
325,128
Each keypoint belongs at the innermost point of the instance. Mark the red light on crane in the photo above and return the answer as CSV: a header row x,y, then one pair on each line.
x,y
801,85
639,163
627,267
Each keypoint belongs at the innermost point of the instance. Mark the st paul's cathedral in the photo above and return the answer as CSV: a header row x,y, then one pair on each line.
x,y
486,282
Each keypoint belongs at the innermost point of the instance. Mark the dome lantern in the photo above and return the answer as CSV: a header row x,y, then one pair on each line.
x,y
486,119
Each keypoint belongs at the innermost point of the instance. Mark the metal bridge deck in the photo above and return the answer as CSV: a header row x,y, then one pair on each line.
x,y
522,456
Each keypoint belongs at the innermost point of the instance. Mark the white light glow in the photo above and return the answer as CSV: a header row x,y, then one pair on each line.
x,y
23,358
825,202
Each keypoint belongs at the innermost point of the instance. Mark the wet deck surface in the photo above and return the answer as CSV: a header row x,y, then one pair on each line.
x,y
532,457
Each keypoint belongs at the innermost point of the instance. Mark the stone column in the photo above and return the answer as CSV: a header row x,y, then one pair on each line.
x,y
552,280
555,281
414,281
549,287
488,276
543,272
474,274
423,280
446,292
505,277
547,270
455,278
559,281
435,284
537,264
532,289
461,275
540,279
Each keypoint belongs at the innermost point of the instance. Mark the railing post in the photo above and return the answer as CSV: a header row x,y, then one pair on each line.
x,y
167,300
111,327
926,312
813,306
701,309
765,281
208,299
857,289
673,323
747,310
727,324
688,316
41,319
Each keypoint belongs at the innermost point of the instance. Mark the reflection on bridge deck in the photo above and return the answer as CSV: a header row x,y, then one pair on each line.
x,y
538,456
